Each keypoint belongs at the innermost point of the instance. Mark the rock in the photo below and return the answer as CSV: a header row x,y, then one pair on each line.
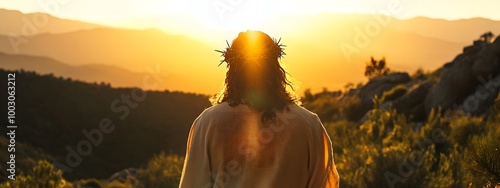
x,y
379,85
481,100
376,87
495,46
471,49
129,174
455,83
487,62
460,78
412,103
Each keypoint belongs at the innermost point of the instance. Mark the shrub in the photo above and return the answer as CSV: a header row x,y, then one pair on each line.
x,y
376,69
162,171
89,183
118,184
352,109
327,107
42,175
484,160
449,171
463,128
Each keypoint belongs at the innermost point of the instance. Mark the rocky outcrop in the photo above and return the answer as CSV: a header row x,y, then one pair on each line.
x,y
470,83
481,100
460,78
412,103
377,86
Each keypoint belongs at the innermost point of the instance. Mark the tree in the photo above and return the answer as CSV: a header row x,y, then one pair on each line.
x,y
348,86
308,96
375,69
487,36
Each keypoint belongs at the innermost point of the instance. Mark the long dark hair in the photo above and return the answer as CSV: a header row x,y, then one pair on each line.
x,y
255,76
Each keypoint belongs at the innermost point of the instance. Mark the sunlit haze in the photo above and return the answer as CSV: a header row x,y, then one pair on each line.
x,y
186,15
322,36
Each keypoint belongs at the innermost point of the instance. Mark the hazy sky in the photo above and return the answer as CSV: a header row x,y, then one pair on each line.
x,y
181,14
119,10
215,21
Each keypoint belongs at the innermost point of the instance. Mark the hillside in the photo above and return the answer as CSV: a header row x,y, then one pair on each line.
x,y
439,28
15,22
119,77
53,111
133,50
443,126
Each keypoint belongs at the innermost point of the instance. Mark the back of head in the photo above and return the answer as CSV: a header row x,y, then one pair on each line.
x,y
255,76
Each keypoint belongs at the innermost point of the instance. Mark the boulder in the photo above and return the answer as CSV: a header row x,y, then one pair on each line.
x,y
460,78
480,101
126,175
487,61
412,103
455,83
377,86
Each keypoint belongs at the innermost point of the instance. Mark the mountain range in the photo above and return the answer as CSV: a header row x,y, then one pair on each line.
x,y
316,49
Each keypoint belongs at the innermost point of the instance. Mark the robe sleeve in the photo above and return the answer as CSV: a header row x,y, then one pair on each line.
x,y
196,171
321,163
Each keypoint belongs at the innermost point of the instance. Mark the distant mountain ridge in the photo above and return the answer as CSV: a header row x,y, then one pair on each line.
x,y
448,30
89,73
316,42
14,21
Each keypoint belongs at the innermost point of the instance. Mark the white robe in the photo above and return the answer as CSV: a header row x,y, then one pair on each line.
x,y
230,147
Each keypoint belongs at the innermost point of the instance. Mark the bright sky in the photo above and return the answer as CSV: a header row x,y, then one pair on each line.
x,y
136,13
215,20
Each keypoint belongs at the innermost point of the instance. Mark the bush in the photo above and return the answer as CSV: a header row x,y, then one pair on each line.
x,y
118,184
373,154
449,172
376,69
463,128
327,107
484,160
352,109
162,171
43,175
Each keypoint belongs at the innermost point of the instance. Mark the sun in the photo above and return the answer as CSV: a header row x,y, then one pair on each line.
x,y
238,15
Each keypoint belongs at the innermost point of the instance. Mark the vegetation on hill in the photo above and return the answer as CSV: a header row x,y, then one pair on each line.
x,y
55,115
385,133
376,69
455,150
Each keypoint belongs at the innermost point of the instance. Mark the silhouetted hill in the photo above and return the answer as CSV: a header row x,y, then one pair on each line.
x,y
117,76
179,57
444,29
52,112
131,49
14,21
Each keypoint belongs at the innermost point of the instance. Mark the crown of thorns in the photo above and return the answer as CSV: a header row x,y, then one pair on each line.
x,y
271,50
